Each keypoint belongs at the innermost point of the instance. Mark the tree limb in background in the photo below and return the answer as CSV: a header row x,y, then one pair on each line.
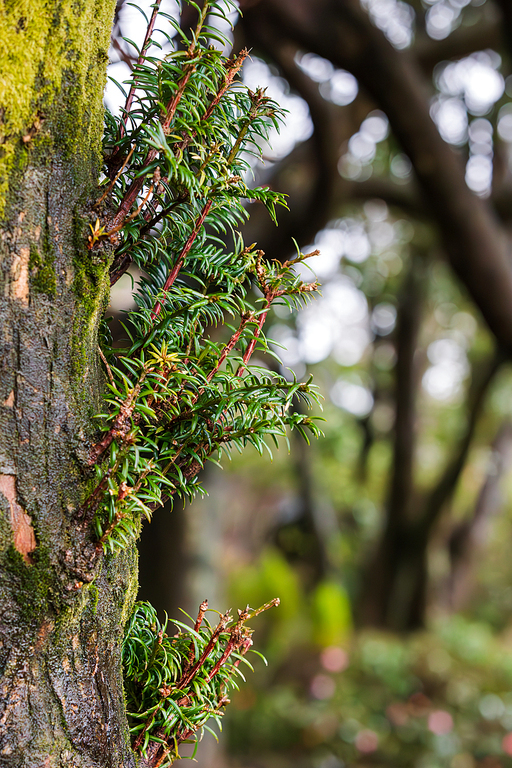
x,y
505,26
471,535
381,574
409,316
475,245
445,488
308,218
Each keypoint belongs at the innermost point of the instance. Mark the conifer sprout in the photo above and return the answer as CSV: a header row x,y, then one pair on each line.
x,y
184,389
175,685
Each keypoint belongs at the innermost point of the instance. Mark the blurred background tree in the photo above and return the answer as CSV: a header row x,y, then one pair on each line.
x,y
388,541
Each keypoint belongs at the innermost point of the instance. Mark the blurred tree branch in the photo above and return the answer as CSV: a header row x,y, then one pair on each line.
x,y
468,537
379,582
506,22
475,246
482,377
307,216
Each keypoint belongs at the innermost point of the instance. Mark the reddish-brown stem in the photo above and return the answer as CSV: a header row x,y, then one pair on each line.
x,y
230,345
233,67
137,184
121,224
225,656
162,757
246,644
237,637
256,101
118,517
120,427
119,268
200,616
181,258
185,680
173,104
140,60
107,366
110,187
132,193
250,349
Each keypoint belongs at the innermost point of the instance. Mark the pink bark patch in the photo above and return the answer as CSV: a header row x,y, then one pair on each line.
x,y
24,538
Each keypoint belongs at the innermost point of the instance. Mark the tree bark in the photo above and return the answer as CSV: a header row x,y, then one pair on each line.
x,y
62,605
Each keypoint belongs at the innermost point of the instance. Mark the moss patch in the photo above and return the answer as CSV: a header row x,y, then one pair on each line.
x,y
92,290
42,267
35,588
53,56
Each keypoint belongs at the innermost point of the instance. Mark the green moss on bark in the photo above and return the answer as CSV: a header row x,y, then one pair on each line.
x,y
42,267
35,589
53,57
61,634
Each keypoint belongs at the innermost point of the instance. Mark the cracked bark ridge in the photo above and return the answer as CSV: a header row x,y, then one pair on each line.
x,y
62,607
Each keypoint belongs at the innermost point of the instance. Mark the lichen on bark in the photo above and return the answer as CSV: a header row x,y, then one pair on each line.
x,y
61,609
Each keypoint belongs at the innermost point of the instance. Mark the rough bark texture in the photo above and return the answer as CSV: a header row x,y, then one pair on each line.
x,y
62,608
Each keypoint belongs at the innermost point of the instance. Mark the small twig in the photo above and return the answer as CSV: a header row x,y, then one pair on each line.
x,y
121,224
173,104
257,98
109,530
221,626
250,349
233,66
275,602
181,258
110,187
120,427
246,319
107,366
200,616
140,60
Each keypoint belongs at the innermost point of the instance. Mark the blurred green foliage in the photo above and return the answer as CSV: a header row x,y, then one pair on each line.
x,y
337,694
440,699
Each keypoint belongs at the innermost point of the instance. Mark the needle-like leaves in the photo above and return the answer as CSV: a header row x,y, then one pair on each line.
x,y
184,391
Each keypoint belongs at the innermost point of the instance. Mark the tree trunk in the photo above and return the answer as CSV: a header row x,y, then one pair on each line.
x,y
395,577
62,605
